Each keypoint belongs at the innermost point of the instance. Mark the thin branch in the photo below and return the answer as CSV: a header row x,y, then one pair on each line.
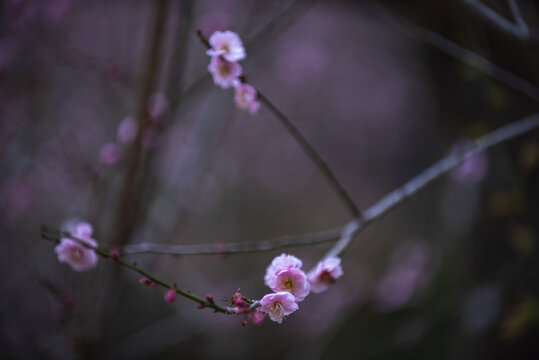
x,y
126,206
277,24
347,232
304,144
517,15
313,155
56,236
516,30
452,49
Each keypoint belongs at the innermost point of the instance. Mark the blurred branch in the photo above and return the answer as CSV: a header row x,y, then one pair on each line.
x,y
519,30
372,214
304,144
313,155
151,65
56,236
450,48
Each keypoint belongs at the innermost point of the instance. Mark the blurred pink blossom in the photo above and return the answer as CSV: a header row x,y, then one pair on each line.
x,y
157,106
110,153
245,97
407,275
471,170
71,252
224,73
278,305
16,197
281,262
9,50
127,130
170,295
226,44
326,272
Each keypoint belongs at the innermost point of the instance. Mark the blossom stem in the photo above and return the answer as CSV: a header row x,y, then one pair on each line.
x,y
304,144
54,235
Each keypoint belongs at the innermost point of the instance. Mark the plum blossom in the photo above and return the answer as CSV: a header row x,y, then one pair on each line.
x,y
157,106
245,97
292,280
226,44
281,262
127,130
78,256
110,153
326,272
225,73
278,305
473,169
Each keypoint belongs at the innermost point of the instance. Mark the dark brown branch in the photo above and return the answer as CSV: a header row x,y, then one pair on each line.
x,y
151,65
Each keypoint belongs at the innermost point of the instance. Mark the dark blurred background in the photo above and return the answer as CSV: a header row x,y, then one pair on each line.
x,y
451,274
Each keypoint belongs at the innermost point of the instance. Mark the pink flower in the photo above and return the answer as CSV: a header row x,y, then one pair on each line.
x,y
226,44
110,154
170,295
473,169
78,256
245,97
281,262
256,317
224,73
127,130
292,280
278,305
157,106
326,272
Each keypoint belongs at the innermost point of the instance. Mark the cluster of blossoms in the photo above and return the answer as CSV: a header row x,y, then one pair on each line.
x,y
291,285
226,50
111,153
71,252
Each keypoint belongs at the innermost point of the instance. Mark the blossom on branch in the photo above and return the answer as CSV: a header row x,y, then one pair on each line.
x,y
326,272
281,262
278,305
245,97
292,280
225,73
226,44
76,255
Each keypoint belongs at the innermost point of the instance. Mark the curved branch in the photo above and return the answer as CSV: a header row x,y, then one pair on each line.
x,y
56,236
347,232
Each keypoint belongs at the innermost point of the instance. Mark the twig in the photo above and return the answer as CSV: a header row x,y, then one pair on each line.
x,y
55,236
517,15
280,22
447,46
313,155
347,232
304,144
126,205
516,30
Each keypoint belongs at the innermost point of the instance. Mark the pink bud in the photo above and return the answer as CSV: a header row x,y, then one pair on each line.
x,y
115,254
146,282
110,154
256,317
170,295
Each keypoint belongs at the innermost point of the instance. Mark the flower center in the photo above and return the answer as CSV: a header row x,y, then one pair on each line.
x,y
327,278
277,310
224,70
289,284
76,254
225,48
